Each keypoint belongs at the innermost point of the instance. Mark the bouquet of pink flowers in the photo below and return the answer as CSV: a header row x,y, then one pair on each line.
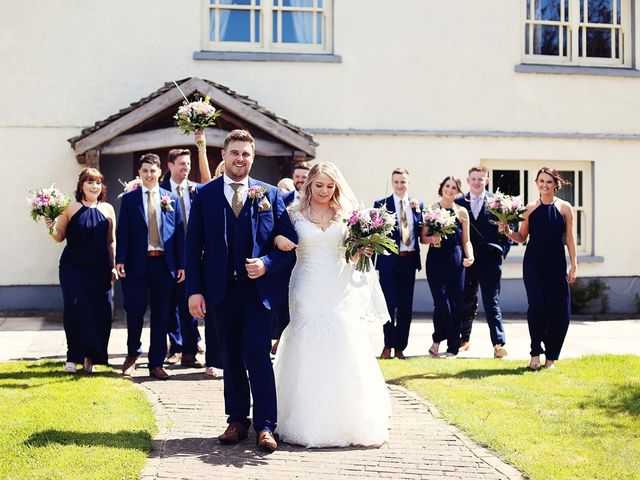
x,y
130,185
506,208
369,227
195,116
440,221
49,203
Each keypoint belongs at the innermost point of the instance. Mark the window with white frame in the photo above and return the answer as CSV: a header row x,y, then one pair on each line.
x,y
519,177
303,26
578,32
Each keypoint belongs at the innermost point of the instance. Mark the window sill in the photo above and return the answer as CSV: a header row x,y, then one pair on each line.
x,y
581,259
267,57
576,70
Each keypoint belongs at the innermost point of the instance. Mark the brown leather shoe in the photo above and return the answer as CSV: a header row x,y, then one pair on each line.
x,y
159,373
190,361
386,353
464,346
129,364
266,442
234,433
173,359
400,355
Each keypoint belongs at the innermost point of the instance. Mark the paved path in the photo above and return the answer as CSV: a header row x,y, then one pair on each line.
x,y
189,410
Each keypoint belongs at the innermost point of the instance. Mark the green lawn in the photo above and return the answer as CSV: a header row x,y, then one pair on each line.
x,y
578,421
59,426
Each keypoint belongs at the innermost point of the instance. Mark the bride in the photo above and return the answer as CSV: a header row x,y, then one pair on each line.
x,y
330,390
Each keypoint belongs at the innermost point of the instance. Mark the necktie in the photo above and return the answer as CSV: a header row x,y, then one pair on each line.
x,y
476,206
152,221
406,237
236,201
182,206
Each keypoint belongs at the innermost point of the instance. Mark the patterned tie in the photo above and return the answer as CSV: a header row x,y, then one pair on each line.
x,y
476,206
406,237
236,201
183,207
152,221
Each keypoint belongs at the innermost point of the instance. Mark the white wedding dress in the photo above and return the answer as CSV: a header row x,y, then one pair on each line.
x,y
331,392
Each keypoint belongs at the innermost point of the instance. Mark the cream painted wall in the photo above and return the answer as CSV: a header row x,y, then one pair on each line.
x,y
417,65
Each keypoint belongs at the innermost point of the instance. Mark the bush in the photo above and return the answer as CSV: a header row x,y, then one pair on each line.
x,y
584,292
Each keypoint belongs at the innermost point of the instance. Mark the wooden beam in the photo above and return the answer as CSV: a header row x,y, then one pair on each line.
x,y
240,109
92,158
170,137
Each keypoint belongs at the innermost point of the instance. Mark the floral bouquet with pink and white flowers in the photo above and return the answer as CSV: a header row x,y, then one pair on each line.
x,y
195,116
506,208
49,203
369,227
440,221
130,186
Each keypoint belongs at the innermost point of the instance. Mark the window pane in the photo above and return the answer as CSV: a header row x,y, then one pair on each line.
x,y
275,27
565,35
232,2
579,224
256,21
582,7
528,9
297,3
580,188
567,17
547,10
567,192
319,29
235,26
545,40
320,3
619,14
297,27
600,11
599,42
526,39
507,181
212,24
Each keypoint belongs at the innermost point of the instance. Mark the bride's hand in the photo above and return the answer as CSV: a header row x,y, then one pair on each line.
x,y
283,243
368,251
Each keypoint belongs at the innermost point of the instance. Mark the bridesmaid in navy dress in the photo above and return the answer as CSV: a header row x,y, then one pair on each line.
x,y
548,223
446,260
86,271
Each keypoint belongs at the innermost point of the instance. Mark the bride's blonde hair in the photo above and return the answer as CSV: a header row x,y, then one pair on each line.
x,y
343,200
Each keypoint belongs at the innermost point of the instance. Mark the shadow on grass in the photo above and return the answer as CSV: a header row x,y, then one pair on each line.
x,y
138,440
621,399
467,374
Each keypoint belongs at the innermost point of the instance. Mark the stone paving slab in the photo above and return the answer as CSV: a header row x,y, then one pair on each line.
x,y
190,414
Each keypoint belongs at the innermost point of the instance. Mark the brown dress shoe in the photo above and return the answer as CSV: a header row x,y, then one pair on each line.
x,y
159,373
266,442
173,359
400,355
129,365
386,353
464,346
190,361
234,433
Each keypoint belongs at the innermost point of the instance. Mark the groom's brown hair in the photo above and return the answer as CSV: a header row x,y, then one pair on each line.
x,y
239,136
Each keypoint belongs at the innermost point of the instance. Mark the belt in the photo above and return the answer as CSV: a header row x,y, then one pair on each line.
x,y
406,254
155,253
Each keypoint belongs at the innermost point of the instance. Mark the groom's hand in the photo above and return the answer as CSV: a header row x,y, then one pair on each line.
x,y
255,268
197,306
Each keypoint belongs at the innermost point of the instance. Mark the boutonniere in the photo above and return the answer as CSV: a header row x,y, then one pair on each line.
x,y
415,205
165,203
191,187
257,193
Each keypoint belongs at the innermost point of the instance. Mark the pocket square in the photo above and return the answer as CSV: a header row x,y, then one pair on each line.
x,y
264,205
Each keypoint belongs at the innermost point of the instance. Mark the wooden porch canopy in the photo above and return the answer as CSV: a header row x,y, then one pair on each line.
x,y
148,124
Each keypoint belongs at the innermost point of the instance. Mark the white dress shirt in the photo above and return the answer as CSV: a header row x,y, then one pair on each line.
x,y
228,189
186,196
408,210
156,197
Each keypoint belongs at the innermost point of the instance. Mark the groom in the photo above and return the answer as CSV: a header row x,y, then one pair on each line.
x,y
233,268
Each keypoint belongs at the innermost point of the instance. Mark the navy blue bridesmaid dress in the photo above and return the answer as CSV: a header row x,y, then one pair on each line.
x,y
445,274
545,279
85,278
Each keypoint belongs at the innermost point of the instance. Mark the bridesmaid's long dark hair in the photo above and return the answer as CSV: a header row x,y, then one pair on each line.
x,y
87,175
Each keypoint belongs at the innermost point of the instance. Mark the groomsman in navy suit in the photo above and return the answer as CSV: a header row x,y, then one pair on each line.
x,y
490,248
183,332
398,272
150,260
299,177
234,269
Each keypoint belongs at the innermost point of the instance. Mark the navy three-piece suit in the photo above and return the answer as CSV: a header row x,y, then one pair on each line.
x,y
218,244
397,278
148,276
489,248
